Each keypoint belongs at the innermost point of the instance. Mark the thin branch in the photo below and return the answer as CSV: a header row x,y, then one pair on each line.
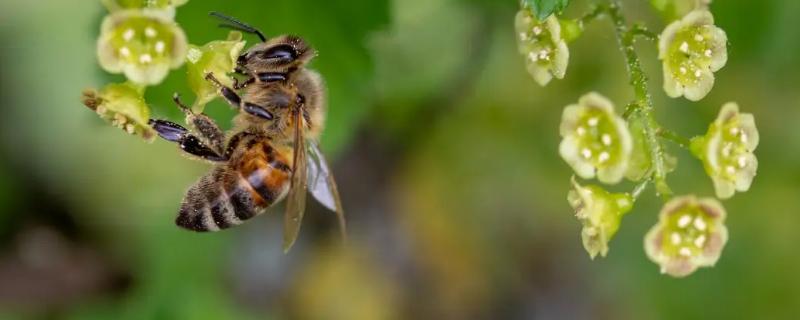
x,y
638,80
593,14
639,30
674,137
637,191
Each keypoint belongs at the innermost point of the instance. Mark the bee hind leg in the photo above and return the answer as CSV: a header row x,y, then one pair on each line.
x,y
188,142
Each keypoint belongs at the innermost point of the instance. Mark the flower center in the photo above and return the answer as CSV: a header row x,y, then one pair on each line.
x,y
597,138
732,152
141,40
536,41
690,54
687,232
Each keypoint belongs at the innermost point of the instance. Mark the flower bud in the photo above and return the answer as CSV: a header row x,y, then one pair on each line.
x,y
121,104
541,43
600,213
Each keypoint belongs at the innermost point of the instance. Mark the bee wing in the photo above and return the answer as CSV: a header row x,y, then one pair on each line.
x,y
296,200
322,185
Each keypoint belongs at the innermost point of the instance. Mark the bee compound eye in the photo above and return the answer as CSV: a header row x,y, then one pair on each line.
x,y
282,52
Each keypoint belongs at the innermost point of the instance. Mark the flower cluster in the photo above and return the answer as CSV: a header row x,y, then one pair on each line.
x,y
727,151
599,143
691,50
690,234
140,39
541,43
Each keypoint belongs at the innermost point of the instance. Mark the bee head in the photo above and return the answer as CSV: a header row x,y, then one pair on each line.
x,y
281,54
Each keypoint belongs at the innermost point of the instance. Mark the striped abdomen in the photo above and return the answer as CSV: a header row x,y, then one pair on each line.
x,y
238,190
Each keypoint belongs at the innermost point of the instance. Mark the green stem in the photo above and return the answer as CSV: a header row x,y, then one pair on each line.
x,y
638,79
642,31
670,135
637,191
596,12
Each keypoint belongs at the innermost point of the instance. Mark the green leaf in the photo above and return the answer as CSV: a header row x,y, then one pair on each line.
x,y
544,8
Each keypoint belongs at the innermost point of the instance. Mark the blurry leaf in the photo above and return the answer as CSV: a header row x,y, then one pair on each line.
x,y
544,8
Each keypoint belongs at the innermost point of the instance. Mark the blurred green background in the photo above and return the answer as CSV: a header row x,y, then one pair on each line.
x,y
446,155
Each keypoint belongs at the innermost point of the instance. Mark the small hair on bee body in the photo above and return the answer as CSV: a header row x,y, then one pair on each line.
x,y
232,23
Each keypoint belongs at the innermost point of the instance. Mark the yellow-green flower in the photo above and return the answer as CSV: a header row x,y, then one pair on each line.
x,y
690,233
596,141
142,44
217,57
727,151
121,104
674,9
166,5
541,43
600,213
691,50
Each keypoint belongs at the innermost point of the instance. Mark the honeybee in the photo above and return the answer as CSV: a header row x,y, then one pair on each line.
x,y
271,153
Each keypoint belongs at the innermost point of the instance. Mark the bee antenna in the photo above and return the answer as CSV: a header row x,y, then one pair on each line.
x,y
237,25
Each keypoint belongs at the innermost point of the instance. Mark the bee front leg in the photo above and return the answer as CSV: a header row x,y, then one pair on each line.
x,y
227,93
206,128
236,101
189,143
